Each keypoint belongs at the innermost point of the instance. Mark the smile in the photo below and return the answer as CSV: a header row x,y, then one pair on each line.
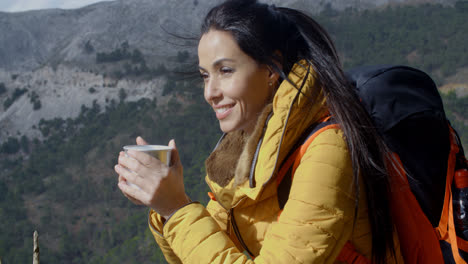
x,y
224,111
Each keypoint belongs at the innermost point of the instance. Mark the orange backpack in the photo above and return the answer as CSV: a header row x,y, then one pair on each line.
x,y
407,110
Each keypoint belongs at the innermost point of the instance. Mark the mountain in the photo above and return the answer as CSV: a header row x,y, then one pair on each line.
x,y
48,37
36,38
50,65
77,85
52,53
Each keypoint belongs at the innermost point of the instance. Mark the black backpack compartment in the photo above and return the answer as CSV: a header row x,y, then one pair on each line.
x,y
407,110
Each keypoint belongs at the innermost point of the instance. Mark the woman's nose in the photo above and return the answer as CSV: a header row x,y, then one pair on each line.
x,y
212,90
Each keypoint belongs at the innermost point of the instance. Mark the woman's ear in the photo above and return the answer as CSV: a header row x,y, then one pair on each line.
x,y
273,76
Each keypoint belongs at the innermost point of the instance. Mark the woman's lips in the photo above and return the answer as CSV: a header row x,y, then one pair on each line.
x,y
224,111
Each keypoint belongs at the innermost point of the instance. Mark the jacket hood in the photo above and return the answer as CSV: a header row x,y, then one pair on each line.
x,y
241,165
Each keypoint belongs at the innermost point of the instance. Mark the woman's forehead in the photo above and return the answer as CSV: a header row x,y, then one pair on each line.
x,y
216,45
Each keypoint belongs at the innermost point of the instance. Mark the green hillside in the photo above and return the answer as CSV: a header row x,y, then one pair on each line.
x,y
430,37
65,186
67,183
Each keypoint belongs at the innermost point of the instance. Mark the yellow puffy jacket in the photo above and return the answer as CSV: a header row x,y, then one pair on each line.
x,y
242,217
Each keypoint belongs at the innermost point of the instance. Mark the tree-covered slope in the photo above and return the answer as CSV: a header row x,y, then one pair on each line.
x,y
65,186
430,37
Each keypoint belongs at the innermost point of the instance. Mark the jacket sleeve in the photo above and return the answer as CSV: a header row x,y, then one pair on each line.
x,y
315,223
156,224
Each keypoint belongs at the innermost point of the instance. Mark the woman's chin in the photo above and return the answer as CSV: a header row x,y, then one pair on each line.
x,y
227,126
226,129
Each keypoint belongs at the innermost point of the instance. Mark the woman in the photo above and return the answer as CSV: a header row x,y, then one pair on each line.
x,y
271,73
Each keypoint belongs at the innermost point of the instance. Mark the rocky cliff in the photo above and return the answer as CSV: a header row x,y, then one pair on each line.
x,y
49,56
35,38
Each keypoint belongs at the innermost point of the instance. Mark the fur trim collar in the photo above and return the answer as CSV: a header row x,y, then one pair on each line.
x,y
232,159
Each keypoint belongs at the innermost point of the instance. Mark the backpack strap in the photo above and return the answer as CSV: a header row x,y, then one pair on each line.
x,y
417,237
350,255
446,229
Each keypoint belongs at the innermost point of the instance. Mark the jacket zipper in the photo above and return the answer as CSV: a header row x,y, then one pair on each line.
x,y
237,233
231,211
233,219
233,224
284,129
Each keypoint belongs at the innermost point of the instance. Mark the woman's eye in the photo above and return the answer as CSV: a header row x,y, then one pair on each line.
x,y
226,70
204,75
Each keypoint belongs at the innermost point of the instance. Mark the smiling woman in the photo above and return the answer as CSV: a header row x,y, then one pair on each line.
x,y
236,86
270,75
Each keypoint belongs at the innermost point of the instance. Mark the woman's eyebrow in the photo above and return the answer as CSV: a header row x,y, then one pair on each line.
x,y
217,63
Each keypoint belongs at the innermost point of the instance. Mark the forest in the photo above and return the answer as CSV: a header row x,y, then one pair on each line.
x,y
65,187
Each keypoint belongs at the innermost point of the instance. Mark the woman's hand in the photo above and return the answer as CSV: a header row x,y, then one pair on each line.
x,y
160,187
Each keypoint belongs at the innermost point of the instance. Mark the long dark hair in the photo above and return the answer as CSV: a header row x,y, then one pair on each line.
x,y
272,34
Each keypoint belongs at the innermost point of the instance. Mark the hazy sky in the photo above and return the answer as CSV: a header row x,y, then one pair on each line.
x,y
24,5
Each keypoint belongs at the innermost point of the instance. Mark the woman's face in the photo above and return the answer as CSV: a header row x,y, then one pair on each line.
x,y
236,87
